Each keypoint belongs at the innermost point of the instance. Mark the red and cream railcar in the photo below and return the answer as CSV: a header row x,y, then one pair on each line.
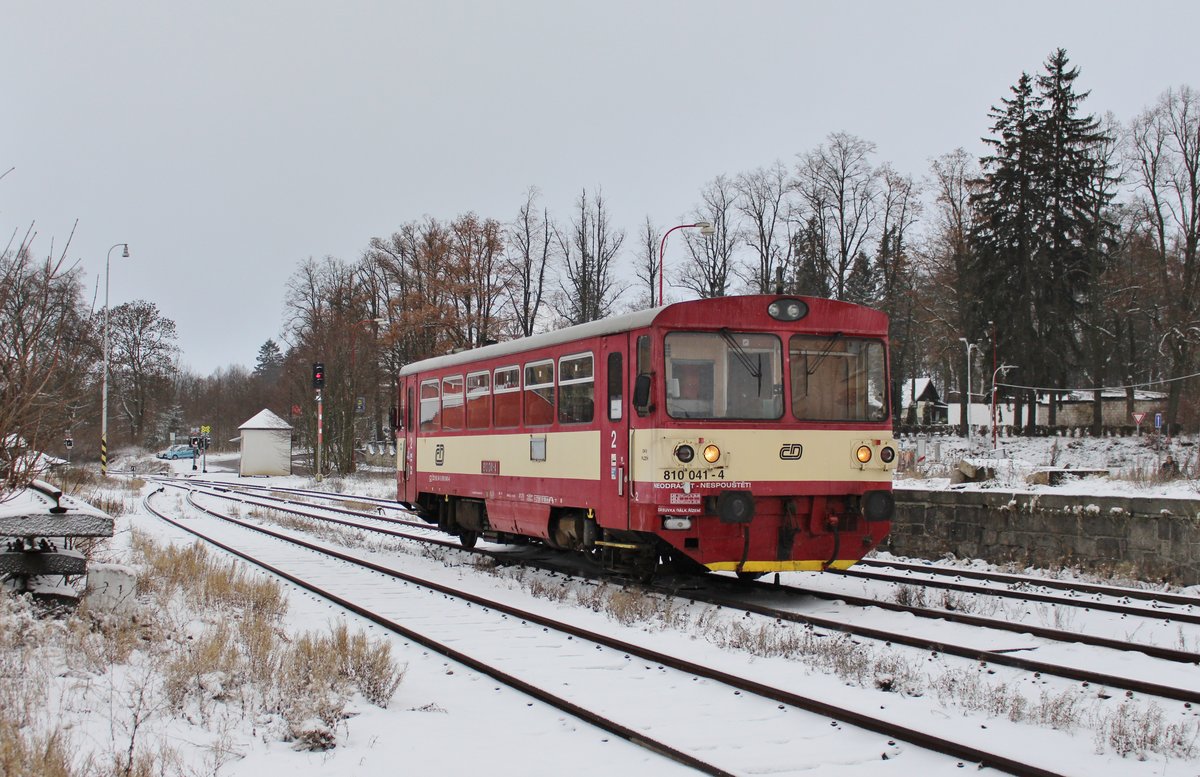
x,y
747,434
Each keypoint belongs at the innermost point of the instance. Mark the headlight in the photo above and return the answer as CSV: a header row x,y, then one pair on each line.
x,y
887,455
711,454
787,310
863,454
685,453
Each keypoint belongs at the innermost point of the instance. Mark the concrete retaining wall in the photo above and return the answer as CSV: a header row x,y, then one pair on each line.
x,y
1150,539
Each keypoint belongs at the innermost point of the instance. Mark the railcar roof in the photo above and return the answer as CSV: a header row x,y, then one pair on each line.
x,y
849,317
604,326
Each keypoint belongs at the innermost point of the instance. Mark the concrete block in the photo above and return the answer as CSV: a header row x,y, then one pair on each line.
x,y
112,588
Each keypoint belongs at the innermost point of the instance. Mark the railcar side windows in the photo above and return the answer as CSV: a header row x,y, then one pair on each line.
x,y
576,389
507,392
539,393
479,395
431,406
616,386
452,403
641,387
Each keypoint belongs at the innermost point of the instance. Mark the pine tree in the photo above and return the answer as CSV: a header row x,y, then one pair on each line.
x,y
1067,261
1040,230
1002,240
269,363
863,282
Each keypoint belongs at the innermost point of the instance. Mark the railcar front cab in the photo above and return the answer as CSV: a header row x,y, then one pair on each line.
x,y
767,446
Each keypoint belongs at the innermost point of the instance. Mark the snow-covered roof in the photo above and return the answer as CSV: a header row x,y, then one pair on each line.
x,y
40,513
925,391
1112,394
266,420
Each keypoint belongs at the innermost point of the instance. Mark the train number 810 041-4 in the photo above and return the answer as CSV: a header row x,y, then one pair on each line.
x,y
708,473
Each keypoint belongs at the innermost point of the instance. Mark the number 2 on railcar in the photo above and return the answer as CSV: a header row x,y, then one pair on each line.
x,y
746,434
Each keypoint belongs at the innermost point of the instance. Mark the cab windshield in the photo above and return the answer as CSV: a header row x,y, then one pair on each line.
x,y
837,378
724,374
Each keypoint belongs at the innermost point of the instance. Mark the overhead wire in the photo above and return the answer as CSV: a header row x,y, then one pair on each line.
x,y
1059,389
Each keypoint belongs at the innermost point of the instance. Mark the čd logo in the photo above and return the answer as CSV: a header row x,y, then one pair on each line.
x,y
791,451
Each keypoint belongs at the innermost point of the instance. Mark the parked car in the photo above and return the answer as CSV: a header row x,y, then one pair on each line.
x,y
178,452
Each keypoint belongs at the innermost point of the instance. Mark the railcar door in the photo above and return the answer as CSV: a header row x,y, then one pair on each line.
x,y
406,441
612,407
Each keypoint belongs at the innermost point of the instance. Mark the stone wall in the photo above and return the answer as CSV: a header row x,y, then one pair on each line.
x,y
1147,538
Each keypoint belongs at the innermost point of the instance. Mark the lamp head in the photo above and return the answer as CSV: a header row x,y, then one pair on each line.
x,y
125,253
706,228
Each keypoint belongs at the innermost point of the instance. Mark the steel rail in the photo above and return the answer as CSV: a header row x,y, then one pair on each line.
x,y
569,707
1031,596
988,656
1062,585
1057,635
892,730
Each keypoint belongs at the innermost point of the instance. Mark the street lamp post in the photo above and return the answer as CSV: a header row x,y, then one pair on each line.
x,y
705,227
967,417
1000,370
104,380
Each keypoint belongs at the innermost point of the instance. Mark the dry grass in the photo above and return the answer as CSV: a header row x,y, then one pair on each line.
x,y
205,581
206,645
24,753
1135,730
241,653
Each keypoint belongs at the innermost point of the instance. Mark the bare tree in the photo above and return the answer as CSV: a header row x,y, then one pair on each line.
x,y
418,263
763,203
142,363
944,293
325,304
839,188
44,342
588,252
899,210
1164,152
646,268
476,248
710,266
529,247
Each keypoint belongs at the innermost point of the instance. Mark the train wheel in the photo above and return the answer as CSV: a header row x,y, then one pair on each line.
x,y
468,538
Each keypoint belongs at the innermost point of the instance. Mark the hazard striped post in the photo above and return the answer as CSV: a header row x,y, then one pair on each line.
x,y
318,383
320,423
104,380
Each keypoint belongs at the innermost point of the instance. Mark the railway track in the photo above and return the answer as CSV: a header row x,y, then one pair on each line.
x,y
1016,582
691,676
1158,613
1188,612
727,592
1161,605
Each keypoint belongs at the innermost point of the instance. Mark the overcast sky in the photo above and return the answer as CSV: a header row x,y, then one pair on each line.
x,y
226,142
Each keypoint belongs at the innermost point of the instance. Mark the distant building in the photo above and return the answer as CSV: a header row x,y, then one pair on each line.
x,y
920,403
266,445
1075,408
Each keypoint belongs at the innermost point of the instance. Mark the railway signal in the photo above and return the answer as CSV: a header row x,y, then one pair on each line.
x,y
318,381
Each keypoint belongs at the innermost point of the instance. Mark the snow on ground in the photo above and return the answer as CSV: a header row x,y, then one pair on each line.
x,y
446,719
1137,466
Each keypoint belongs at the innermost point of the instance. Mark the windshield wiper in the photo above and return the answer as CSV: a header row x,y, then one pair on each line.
x,y
755,370
825,349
